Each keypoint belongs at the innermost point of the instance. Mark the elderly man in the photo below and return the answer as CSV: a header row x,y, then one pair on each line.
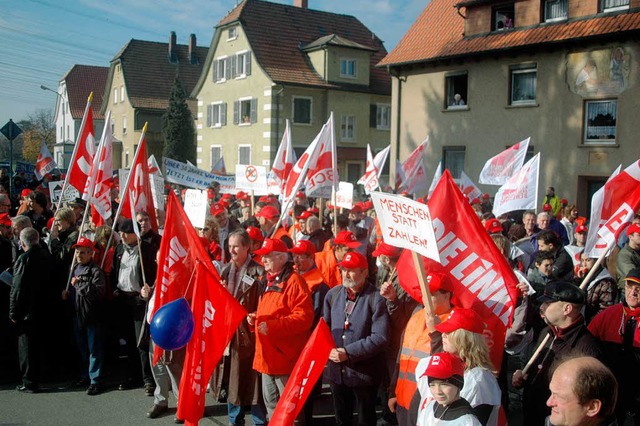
x,y
568,336
18,223
282,321
268,218
317,235
226,225
328,260
362,227
629,256
357,317
617,329
583,393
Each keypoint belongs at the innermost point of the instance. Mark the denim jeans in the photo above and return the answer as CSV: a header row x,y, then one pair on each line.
x,y
90,340
236,414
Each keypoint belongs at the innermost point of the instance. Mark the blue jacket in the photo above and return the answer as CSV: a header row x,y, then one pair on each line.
x,y
364,340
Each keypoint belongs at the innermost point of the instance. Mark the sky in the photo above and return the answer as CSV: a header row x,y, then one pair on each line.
x,y
43,39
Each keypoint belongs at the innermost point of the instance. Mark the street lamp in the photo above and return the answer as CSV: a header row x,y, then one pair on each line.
x,y
64,119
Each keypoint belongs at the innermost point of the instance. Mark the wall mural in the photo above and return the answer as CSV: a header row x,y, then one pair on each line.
x,y
599,73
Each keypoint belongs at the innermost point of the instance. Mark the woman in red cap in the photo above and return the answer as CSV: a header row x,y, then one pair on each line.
x,y
462,335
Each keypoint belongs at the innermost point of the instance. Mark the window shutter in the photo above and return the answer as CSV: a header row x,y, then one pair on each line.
x,y
228,74
254,110
373,113
236,112
215,70
234,69
223,114
247,63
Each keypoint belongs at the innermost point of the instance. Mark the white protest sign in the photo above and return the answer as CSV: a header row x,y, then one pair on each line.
x,y
195,206
157,190
252,178
344,196
406,223
193,177
55,191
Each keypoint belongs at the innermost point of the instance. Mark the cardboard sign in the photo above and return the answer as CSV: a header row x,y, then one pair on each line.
x,y
344,196
157,190
406,223
252,178
195,206
193,177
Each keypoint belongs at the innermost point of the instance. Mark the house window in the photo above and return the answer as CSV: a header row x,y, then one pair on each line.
x,y
600,122
613,5
555,10
502,17
232,34
245,111
126,160
121,93
124,124
217,114
216,154
244,154
453,160
241,65
348,128
348,68
113,126
383,116
456,87
354,170
221,69
523,85
301,110
115,96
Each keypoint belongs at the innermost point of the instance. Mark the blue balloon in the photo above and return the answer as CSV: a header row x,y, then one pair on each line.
x,y
172,325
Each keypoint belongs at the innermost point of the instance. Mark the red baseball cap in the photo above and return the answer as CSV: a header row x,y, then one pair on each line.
x,y
354,260
25,192
313,210
241,195
300,194
564,201
439,281
486,196
346,238
634,227
84,242
461,318
271,245
305,215
357,208
255,234
226,196
476,201
547,207
5,219
444,365
493,226
216,209
387,250
268,212
581,228
303,247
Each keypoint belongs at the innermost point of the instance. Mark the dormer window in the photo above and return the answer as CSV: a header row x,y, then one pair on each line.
x,y
614,5
503,17
348,68
555,10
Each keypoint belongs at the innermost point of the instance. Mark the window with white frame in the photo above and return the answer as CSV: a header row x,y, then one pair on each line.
x,y
244,154
555,10
124,124
232,34
348,128
614,5
115,95
600,118
221,69
121,93
453,160
348,67
456,87
216,154
383,116
245,111
242,64
523,84
302,109
217,114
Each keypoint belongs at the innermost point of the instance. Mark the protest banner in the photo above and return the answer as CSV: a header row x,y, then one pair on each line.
x,y
344,196
55,190
193,177
252,178
196,205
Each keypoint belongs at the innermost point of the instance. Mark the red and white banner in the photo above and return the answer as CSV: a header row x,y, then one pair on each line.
x,y
415,171
468,188
499,169
400,177
139,185
44,163
97,190
436,178
481,276
305,374
520,191
282,164
322,176
180,250
612,207
153,166
371,177
216,316
85,150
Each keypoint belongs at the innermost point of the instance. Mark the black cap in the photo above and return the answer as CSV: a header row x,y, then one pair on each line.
x,y
557,291
633,276
126,226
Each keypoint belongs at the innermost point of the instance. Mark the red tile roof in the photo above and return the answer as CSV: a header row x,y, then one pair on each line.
x,y
438,34
82,80
277,33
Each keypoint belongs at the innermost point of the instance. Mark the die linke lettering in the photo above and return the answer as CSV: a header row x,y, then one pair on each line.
x,y
198,384
176,253
480,276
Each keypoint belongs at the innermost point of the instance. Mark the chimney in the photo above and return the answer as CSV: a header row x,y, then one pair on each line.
x,y
173,56
193,59
301,3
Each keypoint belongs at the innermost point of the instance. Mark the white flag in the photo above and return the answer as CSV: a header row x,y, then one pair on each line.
x,y
282,164
44,163
415,171
500,168
436,178
468,188
520,191
322,176
370,180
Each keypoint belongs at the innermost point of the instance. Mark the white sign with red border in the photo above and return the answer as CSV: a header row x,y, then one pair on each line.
x,y
252,178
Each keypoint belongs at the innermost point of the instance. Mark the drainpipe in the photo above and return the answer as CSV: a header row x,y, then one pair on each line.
x,y
395,153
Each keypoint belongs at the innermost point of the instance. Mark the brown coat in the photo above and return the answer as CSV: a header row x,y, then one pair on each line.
x,y
235,372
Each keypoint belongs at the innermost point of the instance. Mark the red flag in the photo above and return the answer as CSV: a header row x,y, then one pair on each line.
x,y
97,190
80,165
414,170
180,250
305,374
139,186
44,163
216,316
481,277
282,164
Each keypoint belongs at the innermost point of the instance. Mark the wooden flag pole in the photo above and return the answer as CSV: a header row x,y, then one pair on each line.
x,y
424,285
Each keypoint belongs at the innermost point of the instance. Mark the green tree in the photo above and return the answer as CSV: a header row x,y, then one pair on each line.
x,y
177,127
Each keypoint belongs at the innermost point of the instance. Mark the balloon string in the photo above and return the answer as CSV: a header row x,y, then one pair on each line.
x,y
191,279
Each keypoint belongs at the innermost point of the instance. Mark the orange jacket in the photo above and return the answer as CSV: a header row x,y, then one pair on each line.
x,y
287,310
328,266
313,278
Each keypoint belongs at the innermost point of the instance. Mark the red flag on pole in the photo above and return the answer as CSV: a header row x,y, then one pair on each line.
x,y
44,163
322,176
282,164
85,150
415,171
97,190
304,376
216,316
481,276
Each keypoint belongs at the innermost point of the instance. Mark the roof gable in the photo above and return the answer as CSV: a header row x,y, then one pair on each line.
x,y
81,80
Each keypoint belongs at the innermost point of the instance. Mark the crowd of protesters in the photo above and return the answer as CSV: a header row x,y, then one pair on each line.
x,y
77,310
